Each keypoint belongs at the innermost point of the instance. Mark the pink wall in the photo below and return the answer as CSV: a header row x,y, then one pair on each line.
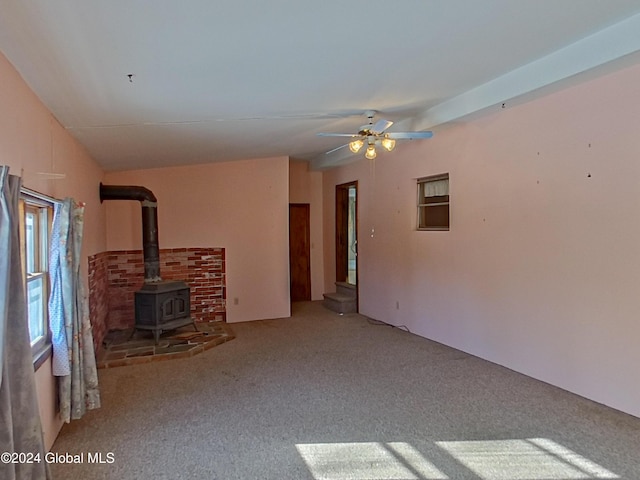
x,y
306,187
240,206
31,141
541,268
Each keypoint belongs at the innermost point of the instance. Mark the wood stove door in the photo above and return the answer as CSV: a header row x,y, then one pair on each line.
x,y
176,306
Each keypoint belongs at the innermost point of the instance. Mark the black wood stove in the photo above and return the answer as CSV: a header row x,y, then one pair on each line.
x,y
163,306
159,305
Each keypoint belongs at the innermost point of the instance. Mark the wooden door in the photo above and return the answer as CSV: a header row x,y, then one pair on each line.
x,y
299,252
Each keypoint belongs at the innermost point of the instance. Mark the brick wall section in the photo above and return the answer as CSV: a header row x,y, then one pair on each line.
x,y
207,280
125,275
119,274
98,297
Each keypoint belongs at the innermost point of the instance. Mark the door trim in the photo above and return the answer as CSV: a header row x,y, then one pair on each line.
x,y
341,232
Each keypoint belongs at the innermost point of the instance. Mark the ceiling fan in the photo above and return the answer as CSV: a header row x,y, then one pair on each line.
x,y
373,134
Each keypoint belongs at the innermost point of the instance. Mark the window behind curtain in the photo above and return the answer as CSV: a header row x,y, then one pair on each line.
x,y
36,217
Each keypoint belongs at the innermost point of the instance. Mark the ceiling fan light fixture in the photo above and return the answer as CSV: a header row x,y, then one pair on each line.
x,y
370,154
374,134
388,143
356,145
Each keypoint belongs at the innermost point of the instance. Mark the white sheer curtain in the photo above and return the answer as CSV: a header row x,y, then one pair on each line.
x,y
436,188
74,361
20,428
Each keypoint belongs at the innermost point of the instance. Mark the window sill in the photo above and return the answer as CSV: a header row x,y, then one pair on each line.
x,y
41,356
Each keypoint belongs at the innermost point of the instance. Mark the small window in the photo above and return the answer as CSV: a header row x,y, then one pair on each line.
x,y
433,202
36,226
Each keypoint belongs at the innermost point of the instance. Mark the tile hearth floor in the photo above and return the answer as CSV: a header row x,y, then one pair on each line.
x,y
125,347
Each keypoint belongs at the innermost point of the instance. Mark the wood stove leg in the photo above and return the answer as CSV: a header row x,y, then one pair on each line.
x,y
156,335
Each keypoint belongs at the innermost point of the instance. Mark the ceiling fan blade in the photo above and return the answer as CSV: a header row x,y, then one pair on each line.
x,y
409,135
380,126
337,134
336,149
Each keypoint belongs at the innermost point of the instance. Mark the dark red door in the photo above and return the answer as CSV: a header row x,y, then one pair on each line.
x,y
299,251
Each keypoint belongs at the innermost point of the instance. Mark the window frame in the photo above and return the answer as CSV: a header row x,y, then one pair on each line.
x,y
424,206
42,207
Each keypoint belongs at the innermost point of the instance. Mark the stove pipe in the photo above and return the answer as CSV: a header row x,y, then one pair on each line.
x,y
150,249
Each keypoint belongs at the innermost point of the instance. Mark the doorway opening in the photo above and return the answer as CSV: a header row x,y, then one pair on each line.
x,y
347,233
345,298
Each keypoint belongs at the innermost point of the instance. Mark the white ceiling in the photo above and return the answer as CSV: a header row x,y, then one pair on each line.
x,y
235,79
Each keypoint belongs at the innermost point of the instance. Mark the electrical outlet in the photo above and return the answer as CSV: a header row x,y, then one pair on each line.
x,y
397,305
236,301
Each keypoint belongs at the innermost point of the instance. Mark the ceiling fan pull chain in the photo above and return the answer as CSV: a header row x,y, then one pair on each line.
x,y
372,196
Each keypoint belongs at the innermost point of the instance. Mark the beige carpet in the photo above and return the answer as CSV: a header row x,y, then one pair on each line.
x,y
322,396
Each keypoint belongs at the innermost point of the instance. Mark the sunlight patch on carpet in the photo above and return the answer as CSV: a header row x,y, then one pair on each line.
x,y
512,459
524,459
367,461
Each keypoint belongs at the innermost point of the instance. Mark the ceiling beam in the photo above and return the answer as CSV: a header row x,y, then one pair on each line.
x,y
598,54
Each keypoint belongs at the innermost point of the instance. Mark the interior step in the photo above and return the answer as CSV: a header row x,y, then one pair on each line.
x,y
344,300
339,303
347,289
